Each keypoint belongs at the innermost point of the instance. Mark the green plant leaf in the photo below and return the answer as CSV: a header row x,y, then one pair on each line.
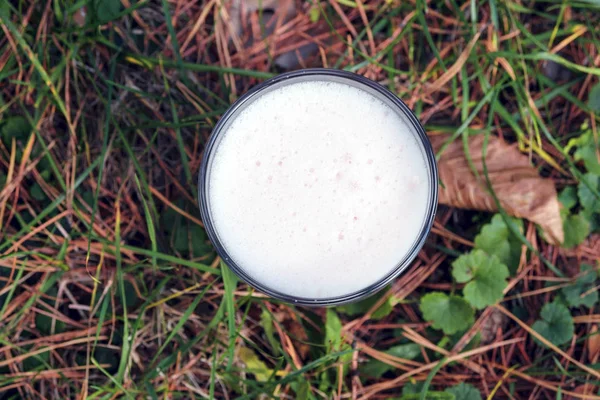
x,y
361,307
314,14
408,351
375,368
429,395
16,127
412,391
200,244
131,298
576,228
43,322
594,220
107,10
266,321
88,197
107,356
36,192
412,388
5,9
302,389
57,10
333,331
334,341
181,238
589,157
556,323
585,150
594,98
255,365
568,197
486,277
496,239
587,198
448,313
583,285
38,362
464,391
324,383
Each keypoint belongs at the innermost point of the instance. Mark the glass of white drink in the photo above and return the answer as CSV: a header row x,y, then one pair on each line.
x,y
318,187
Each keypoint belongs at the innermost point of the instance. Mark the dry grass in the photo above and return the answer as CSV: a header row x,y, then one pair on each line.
x,y
108,285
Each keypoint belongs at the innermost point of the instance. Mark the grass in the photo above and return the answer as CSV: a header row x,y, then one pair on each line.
x,y
109,287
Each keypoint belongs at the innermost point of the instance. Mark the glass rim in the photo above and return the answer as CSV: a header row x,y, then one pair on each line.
x,y
393,101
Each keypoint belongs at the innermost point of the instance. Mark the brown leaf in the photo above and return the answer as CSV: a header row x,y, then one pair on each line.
x,y
79,16
297,334
490,326
593,344
519,188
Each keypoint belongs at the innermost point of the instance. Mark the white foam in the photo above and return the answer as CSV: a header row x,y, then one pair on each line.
x,y
318,189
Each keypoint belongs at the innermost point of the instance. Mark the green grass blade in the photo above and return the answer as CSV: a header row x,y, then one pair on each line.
x,y
230,283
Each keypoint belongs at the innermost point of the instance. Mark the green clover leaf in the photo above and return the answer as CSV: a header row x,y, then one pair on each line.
x,y
594,98
486,277
587,198
333,331
106,10
576,228
361,307
15,127
585,150
581,293
568,197
464,391
496,239
556,323
448,313
376,369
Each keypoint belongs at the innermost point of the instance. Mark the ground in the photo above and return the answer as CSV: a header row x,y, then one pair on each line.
x,y
109,287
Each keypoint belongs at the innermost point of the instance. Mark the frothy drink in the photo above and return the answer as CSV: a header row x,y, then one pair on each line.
x,y
318,188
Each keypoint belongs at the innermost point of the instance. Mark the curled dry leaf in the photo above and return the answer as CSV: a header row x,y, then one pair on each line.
x,y
298,335
293,327
79,16
489,329
519,188
593,344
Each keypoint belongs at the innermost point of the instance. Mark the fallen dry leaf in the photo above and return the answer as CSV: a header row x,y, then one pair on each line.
x,y
489,328
297,334
593,344
519,188
79,16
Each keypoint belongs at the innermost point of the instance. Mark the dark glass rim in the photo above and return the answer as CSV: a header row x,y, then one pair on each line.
x,y
425,228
